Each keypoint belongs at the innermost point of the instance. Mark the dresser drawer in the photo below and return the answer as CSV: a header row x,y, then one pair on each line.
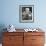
x,y
37,44
13,44
12,39
34,33
13,33
27,41
37,39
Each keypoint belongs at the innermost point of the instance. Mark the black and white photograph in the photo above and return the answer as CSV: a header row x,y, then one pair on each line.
x,y
26,13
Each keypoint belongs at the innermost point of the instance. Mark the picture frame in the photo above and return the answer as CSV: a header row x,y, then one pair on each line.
x,y
26,13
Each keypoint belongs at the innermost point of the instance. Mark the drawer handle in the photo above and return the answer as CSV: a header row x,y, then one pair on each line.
x,y
11,38
33,39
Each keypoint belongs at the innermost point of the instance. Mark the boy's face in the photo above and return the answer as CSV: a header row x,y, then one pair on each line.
x,y
27,9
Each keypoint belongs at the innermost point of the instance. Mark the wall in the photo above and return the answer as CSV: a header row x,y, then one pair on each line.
x,y
10,13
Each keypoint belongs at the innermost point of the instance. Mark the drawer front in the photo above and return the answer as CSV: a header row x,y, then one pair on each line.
x,y
37,39
33,40
13,33
37,44
27,41
34,33
12,39
12,44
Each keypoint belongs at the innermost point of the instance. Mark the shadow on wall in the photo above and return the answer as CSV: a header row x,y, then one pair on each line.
x,y
2,26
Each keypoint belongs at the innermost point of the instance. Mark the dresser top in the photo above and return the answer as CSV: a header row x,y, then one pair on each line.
x,y
22,30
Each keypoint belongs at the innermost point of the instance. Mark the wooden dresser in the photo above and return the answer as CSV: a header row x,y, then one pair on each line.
x,y
23,38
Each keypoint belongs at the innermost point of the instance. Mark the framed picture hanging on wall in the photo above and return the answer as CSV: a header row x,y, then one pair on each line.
x,y
26,13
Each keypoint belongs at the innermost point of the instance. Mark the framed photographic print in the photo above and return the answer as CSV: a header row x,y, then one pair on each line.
x,y
26,13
